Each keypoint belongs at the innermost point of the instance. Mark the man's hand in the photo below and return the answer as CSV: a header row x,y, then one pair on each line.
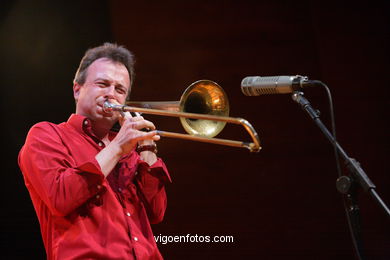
x,y
126,140
130,133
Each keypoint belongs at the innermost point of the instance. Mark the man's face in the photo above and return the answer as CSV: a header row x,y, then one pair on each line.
x,y
105,80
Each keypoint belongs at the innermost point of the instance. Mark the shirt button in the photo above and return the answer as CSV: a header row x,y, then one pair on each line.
x,y
135,238
99,187
100,144
85,122
97,196
119,189
128,214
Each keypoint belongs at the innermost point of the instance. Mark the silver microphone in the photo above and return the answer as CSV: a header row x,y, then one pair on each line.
x,y
256,86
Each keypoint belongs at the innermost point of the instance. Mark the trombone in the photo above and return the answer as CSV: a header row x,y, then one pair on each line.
x,y
203,110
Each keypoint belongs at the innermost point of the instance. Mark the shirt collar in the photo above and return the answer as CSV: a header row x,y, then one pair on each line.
x,y
79,122
83,125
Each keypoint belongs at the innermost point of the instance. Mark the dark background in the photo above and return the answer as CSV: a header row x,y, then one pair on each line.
x,y
280,203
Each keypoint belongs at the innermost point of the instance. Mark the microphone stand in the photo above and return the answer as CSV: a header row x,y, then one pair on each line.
x,y
346,185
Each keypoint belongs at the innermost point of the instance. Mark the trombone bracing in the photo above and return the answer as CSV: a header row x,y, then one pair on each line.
x,y
203,111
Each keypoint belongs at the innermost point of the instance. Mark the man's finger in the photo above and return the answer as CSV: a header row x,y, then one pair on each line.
x,y
147,135
142,124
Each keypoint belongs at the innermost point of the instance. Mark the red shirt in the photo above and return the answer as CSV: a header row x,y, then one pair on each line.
x,y
82,214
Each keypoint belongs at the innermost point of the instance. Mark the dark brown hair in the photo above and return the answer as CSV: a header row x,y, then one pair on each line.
x,y
110,51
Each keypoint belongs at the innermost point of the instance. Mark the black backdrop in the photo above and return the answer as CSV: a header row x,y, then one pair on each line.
x,y
279,203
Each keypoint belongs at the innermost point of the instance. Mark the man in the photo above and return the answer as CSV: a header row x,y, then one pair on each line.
x,y
95,191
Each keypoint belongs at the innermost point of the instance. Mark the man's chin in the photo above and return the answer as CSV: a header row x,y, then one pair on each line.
x,y
105,117
109,117
102,114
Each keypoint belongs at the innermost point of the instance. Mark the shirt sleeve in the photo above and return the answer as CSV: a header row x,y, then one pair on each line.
x,y
53,174
151,182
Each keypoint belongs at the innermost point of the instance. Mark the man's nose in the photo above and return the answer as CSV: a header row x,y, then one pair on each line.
x,y
109,92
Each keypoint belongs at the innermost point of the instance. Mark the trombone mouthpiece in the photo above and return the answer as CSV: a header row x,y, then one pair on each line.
x,y
108,107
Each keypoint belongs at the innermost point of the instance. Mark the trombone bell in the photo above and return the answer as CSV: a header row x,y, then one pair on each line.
x,y
208,98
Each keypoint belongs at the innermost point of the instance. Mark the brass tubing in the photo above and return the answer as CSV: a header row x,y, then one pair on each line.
x,y
253,147
206,102
181,114
208,140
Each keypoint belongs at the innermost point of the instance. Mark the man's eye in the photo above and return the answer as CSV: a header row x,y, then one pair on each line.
x,y
121,91
102,84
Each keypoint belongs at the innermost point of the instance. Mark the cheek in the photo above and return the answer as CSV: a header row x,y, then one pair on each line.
x,y
91,93
121,97
126,95
87,98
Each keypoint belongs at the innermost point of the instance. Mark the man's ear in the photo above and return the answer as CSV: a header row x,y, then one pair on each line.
x,y
76,91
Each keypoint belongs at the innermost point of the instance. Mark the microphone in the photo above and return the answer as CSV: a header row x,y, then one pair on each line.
x,y
256,86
